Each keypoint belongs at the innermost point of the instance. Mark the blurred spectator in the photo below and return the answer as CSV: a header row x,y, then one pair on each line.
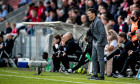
x,y
82,7
4,11
65,6
114,25
136,7
53,6
104,11
76,17
8,28
9,8
41,9
136,2
30,30
134,25
48,18
53,16
28,13
92,4
109,48
109,3
124,8
72,6
114,8
84,20
48,6
104,19
61,16
100,2
123,27
35,18
14,29
23,2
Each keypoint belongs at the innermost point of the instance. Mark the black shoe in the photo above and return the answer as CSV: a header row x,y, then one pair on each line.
x,y
100,78
93,77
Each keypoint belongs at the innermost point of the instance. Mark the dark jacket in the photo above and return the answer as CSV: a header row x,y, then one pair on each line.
x,y
72,47
137,51
125,28
98,32
8,30
128,45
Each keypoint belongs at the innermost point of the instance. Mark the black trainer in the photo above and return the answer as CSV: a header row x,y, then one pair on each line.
x,y
93,77
100,78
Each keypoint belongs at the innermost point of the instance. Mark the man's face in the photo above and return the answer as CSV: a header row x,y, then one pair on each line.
x,y
120,39
119,21
83,18
138,35
56,40
133,15
90,15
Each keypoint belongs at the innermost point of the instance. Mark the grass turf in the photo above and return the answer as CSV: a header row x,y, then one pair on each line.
x,y
26,76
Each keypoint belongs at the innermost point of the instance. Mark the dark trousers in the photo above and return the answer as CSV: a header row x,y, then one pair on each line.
x,y
117,64
116,52
56,63
80,63
57,60
65,61
118,61
130,61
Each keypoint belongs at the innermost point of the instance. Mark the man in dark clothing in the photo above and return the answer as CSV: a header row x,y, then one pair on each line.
x,y
71,47
8,28
131,59
114,25
55,58
124,46
88,49
123,27
98,44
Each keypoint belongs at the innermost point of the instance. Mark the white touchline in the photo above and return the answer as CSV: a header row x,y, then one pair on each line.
x,y
47,79
67,77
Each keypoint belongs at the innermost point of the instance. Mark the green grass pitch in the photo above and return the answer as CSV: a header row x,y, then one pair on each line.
x,y
26,76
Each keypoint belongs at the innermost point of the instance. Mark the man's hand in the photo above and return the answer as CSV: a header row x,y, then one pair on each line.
x,y
130,52
1,46
120,44
53,44
129,34
62,43
59,54
52,56
64,54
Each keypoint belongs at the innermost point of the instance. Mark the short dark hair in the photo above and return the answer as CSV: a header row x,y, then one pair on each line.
x,y
92,10
123,35
57,37
121,17
112,20
45,55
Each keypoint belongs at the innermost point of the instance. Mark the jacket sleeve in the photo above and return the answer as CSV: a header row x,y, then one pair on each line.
x,y
125,28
